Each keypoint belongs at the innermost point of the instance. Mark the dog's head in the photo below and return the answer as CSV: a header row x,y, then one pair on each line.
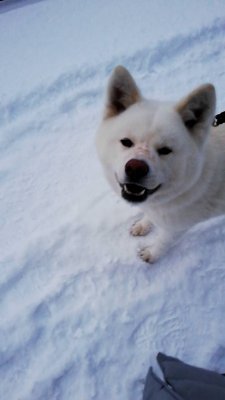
x,y
153,151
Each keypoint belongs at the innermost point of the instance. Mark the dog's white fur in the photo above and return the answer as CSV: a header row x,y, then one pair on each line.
x,y
192,176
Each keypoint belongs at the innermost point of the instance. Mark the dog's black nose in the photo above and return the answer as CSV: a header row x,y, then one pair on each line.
x,y
136,169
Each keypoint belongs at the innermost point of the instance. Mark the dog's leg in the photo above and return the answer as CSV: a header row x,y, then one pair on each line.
x,y
158,248
141,227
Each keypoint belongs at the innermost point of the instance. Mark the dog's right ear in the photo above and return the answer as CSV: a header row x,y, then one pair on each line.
x,y
122,92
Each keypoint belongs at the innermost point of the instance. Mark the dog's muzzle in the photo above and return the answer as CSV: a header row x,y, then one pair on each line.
x,y
133,190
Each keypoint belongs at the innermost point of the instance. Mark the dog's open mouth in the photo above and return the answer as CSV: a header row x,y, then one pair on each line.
x,y
136,193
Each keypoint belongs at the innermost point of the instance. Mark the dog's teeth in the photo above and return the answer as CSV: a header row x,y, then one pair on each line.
x,y
126,190
134,194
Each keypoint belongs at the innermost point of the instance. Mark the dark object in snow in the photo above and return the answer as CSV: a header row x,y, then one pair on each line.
x,y
219,119
183,382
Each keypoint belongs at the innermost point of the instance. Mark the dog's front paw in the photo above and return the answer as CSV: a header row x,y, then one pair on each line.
x,y
157,249
141,228
147,255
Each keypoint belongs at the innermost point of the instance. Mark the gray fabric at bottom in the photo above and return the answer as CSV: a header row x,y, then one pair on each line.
x,y
155,389
183,382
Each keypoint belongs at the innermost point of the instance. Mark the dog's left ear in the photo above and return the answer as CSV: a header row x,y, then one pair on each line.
x,y
197,110
122,92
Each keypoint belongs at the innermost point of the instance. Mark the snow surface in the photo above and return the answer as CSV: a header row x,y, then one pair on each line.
x,y
81,316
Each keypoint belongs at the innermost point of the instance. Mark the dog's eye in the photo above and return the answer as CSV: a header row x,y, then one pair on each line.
x,y
163,151
127,142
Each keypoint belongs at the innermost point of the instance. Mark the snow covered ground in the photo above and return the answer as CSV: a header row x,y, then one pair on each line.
x,y
81,317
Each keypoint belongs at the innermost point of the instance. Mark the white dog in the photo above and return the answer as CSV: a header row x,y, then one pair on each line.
x,y
164,157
